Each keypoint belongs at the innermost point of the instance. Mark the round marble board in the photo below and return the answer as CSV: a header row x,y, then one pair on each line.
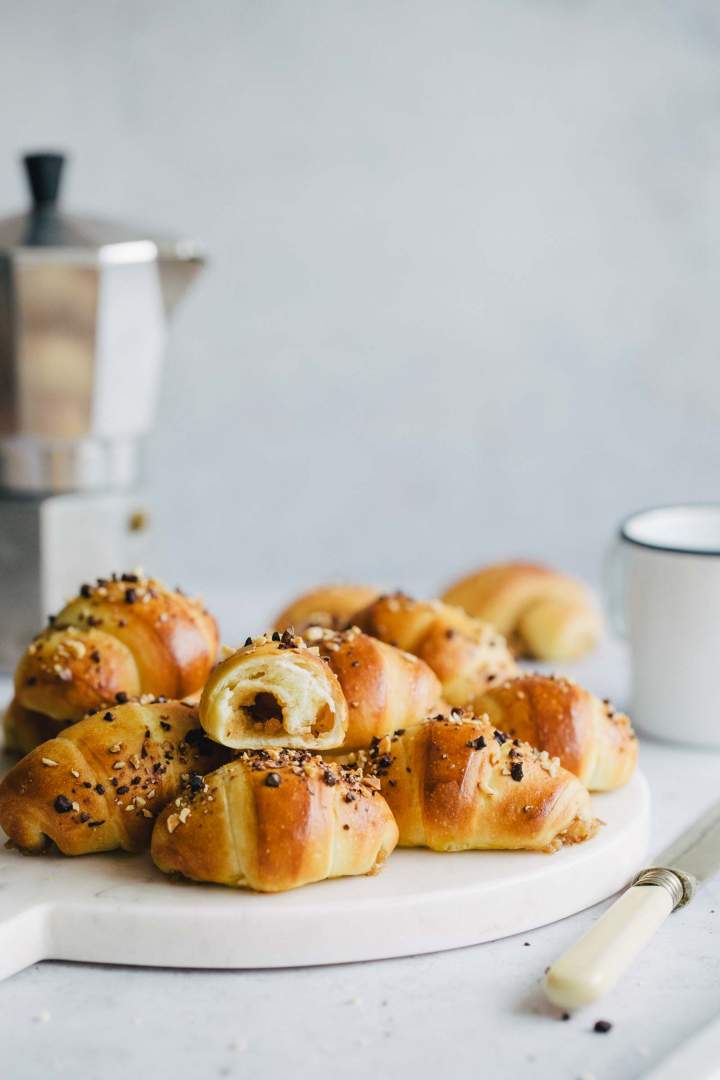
x,y
117,908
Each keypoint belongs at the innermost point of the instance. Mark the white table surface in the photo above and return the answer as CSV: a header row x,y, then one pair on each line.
x,y
475,1012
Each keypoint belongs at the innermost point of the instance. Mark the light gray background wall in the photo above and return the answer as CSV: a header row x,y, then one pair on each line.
x,y
463,300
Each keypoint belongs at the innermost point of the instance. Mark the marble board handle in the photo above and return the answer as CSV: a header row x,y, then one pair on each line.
x,y
23,937
595,963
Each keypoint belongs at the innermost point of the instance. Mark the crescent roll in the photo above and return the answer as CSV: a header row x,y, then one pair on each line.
x,y
543,613
466,655
121,637
589,737
458,783
274,692
273,820
331,606
99,784
385,688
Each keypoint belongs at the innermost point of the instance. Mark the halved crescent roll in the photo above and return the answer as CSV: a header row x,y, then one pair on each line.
x,y
274,692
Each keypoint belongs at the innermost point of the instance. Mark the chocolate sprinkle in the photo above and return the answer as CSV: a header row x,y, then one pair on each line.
x,y
477,744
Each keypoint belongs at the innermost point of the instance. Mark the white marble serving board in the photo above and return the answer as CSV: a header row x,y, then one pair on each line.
x,y
117,908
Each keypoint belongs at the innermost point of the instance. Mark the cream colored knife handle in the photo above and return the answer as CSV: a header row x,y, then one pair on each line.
x,y
595,963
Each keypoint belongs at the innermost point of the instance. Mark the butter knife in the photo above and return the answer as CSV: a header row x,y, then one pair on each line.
x,y
594,964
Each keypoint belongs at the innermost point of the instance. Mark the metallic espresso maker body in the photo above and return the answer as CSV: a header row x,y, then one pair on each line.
x,y
83,314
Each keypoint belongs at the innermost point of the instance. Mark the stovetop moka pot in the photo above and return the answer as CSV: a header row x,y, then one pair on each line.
x,y
83,311
83,316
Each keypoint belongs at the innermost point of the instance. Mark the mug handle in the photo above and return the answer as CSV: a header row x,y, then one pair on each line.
x,y
614,581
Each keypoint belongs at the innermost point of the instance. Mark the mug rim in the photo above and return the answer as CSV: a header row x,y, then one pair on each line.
x,y
669,548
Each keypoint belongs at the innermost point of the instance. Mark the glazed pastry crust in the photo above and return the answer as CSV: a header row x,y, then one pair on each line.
x,y
457,783
543,613
466,654
100,783
589,736
276,820
385,688
330,606
274,692
125,636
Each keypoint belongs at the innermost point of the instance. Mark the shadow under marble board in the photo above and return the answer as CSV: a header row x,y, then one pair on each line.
x,y
117,908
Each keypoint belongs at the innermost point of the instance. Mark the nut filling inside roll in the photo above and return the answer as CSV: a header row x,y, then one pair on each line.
x,y
270,701
274,692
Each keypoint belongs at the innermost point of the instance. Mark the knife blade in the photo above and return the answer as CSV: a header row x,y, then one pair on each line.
x,y
594,964
696,852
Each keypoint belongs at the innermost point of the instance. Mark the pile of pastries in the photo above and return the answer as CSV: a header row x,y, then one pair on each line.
x,y
361,721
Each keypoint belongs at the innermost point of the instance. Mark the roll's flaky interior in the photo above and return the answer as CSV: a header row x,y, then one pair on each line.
x,y
274,692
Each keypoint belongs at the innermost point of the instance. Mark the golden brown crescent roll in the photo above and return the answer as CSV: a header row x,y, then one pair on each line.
x,y
121,637
385,688
466,655
589,737
99,784
457,783
274,692
332,606
274,820
543,613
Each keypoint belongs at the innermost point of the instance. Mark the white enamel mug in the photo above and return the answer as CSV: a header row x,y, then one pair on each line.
x,y
665,598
